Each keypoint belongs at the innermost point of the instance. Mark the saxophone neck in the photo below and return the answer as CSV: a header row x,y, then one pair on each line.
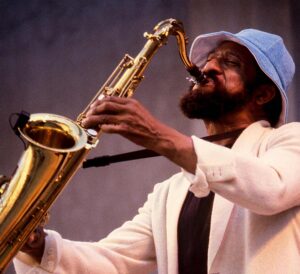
x,y
173,27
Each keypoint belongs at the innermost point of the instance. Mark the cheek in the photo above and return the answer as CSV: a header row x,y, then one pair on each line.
x,y
234,83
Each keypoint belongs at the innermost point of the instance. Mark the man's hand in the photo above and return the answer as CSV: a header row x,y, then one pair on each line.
x,y
35,244
127,117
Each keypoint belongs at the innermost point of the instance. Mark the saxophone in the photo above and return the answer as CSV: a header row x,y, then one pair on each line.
x,y
57,146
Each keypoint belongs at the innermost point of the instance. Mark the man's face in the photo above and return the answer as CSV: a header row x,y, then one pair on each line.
x,y
230,71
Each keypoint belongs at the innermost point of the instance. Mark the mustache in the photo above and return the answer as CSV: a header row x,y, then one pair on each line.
x,y
200,77
209,78
205,78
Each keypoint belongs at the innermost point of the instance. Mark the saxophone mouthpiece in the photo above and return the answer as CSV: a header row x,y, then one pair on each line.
x,y
198,76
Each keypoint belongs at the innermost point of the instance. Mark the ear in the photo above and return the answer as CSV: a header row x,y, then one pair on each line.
x,y
264,94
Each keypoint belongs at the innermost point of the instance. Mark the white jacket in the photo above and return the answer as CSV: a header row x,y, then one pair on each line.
x,y
255,224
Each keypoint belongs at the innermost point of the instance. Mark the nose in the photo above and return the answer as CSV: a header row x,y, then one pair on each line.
x,y
212,67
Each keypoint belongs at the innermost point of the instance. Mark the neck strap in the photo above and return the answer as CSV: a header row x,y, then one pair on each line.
x,y
146,153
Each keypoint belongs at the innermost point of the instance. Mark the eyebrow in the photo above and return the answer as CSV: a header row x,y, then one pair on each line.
x,y
229,51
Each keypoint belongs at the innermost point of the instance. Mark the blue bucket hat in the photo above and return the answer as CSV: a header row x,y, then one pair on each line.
x,y
268,50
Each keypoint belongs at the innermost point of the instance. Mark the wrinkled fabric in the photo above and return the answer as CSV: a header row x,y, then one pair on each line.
x,y
255,222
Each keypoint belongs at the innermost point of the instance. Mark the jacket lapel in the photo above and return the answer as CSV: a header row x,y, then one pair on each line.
x,y
247,143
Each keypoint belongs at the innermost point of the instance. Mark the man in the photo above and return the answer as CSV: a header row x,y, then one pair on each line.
x,y
234,208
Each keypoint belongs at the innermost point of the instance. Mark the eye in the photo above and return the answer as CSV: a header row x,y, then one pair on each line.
x,y
232,62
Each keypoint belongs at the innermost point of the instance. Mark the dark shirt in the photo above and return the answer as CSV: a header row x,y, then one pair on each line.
x,y
194,228
193,234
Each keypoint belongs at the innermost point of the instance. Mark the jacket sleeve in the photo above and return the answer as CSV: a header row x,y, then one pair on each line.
x,y
266,183
128,249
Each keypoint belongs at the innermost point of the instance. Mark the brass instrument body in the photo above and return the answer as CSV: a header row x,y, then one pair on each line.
x,y
57,146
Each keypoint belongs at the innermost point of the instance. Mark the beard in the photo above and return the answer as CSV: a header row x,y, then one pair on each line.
x,y
212,106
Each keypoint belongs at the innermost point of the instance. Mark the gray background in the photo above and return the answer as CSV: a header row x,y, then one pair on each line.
x,y
54,55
